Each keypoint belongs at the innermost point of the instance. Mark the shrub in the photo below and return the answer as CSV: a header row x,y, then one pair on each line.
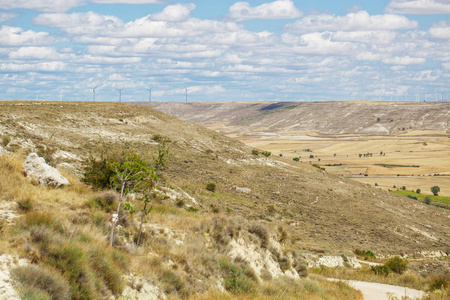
x,y
439,282
5,140
107,270
211,187
98,172
376,184
296,159
427,199
266,153
255,152
25,204
42,282
105,201
311,156
260,231
238,277
411,197
380,270
397,264
404,188
435,190
418,191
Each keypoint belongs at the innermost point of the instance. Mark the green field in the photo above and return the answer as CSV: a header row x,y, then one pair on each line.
x,y
421,197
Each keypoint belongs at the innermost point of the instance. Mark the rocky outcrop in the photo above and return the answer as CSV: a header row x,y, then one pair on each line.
x,y
36,168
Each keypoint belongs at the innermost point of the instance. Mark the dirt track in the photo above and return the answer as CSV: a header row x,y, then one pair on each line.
x,y
379,291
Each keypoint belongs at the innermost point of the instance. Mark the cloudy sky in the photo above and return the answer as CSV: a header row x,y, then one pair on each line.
x,y
225,50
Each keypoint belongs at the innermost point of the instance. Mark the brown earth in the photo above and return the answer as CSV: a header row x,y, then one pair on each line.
x,y
413,137
322,212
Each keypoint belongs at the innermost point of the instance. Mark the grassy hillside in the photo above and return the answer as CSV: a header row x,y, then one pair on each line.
x,y
197,242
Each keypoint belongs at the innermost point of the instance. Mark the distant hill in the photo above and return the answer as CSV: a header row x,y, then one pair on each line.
x,y
324,118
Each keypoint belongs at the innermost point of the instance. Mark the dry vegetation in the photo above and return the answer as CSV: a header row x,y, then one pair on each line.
x,y
191,230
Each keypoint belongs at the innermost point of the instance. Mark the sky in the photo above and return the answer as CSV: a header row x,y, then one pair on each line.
x,y
225,50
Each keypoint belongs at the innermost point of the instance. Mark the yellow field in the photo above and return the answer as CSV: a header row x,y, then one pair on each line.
x,y
417,156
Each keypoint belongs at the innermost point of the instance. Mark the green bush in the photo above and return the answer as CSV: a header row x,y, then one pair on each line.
x,y
411,197
211,187
41,282
266,153
380,270
255,152
397,264
435,190
427,199
98,172
238,277
418,191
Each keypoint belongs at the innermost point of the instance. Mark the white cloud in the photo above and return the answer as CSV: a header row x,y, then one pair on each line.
x,y
41,5
368,37
280,9
91,23
43,53
42,66
405,60
80,23
360,21
15,36
440,30
174,13
418,7
5,16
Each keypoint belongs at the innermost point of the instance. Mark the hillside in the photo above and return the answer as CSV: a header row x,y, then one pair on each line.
x,y
324,118
322,211
407,142
266,213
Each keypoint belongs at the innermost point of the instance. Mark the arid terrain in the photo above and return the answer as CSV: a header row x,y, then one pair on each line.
x,y
266,218
407,143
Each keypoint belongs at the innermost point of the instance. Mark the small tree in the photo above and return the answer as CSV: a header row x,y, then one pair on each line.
x,y
129,176
163,153
435,190
418,191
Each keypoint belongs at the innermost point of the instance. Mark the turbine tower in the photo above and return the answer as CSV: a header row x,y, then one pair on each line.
x,y
149,94
120,94
93,93
186,92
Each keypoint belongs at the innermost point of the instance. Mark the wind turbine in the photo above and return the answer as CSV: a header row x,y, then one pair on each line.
x,y
442,95
426,96
120,94
93,93
186,92
149,94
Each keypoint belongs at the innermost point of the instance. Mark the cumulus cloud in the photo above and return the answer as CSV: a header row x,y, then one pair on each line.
x,y
16,36
440,30
42,66
405,60
43,53
174,13
41,5
280,9
360,21
91,23
418,7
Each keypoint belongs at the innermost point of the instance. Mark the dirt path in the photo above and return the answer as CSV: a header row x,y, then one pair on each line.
x,y
379,291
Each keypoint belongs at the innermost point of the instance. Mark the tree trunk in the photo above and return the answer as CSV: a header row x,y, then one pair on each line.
x,y
140,227
113,232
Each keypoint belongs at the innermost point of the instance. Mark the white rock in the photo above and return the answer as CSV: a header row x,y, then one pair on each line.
x,y
36,168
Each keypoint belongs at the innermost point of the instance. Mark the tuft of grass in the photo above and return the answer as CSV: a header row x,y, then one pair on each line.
x,y
262,232
41,283
25,204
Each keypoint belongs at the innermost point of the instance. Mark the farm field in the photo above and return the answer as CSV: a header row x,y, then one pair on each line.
x,y
417,162
400,143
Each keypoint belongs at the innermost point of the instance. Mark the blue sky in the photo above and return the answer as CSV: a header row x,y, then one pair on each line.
x,y
280,50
